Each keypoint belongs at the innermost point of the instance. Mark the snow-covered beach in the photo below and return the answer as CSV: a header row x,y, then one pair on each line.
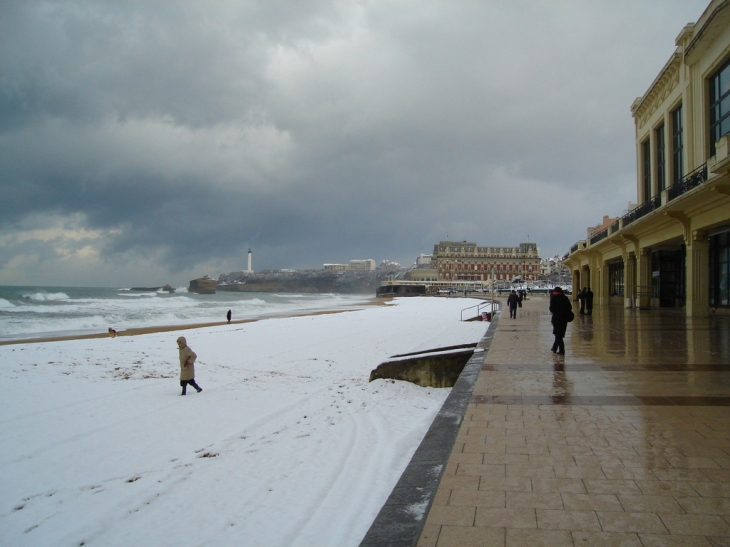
x,y
288,444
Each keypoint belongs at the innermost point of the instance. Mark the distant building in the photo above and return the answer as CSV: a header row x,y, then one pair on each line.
x,y
607,222
368,264
336,267
553,266
466,261
422,274
423,261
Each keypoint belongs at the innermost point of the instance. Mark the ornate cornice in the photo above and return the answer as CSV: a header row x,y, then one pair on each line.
x,y
713,26
660,89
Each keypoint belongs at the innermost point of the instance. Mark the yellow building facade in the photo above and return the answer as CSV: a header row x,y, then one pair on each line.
x,y
673,248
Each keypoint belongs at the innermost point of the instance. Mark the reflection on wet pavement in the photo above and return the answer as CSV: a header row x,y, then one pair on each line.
x,y
625,440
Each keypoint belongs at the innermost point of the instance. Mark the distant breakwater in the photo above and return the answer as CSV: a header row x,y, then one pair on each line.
x,y
304,281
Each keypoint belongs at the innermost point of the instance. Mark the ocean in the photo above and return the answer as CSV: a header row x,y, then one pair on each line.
x,y
34,312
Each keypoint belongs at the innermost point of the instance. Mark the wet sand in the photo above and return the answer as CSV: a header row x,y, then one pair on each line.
x,y
170,328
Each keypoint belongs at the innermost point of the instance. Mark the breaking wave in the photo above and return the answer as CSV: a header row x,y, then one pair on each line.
x,y
46,297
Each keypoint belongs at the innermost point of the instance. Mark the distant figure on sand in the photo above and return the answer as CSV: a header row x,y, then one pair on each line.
x,y
512,301
112,332
562,311
228,316
187,365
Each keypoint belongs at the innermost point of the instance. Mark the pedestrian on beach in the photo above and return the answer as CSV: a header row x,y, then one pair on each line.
x,y
562,311
512,301
582,300
187,366
589,301
228,316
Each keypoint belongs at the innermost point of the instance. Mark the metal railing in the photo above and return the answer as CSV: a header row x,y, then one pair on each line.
x,y
643,296
689,181
599,236
642,210
479,308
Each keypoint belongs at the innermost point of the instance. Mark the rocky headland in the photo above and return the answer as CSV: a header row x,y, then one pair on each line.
x,y
307,281
203,285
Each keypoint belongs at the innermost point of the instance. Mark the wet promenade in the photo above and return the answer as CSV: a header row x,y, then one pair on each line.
x,y
625,440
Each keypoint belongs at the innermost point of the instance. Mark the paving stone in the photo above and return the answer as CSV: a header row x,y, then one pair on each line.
x,y
624,441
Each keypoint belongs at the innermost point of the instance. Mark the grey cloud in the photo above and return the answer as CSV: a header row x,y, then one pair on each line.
x,y
320,131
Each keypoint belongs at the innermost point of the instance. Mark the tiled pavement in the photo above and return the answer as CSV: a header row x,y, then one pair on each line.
x,y
623,441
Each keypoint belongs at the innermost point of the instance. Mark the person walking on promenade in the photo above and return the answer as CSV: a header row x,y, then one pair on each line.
x,y
187,366
228,316
562,311
589,301
582,300
512,301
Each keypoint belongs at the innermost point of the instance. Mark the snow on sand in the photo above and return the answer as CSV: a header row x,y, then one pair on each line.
x,y
288,444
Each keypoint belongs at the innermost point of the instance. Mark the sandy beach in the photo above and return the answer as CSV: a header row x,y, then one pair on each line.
x,y
288,444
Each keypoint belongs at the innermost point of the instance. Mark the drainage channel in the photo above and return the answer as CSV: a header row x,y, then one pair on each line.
x,y
400,521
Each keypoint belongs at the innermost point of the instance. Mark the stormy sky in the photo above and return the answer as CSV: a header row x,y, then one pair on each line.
x,y
155,142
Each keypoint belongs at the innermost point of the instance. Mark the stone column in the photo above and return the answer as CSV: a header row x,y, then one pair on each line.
x,y
698,275
645,277
630,276
604,293
576,284
585,276
594,277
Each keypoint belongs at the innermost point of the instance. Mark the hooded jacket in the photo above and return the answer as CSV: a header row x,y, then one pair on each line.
x,y
186,355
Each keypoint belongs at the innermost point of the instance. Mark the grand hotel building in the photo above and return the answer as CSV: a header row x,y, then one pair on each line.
x,y
466,261
673,248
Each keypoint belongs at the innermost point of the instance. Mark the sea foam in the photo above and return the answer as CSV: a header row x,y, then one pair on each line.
x,y
46,297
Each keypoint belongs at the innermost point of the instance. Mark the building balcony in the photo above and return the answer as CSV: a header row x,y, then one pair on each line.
x,y
660,202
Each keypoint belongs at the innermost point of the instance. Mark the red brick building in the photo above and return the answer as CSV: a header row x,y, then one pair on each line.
x,y
465,261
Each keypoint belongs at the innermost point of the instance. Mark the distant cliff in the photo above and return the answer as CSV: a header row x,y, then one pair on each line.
x,y
307,281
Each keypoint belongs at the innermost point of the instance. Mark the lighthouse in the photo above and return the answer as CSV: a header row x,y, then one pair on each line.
x,y
248,270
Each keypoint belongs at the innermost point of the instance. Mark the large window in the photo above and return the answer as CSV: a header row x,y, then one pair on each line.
x,y
677,146
661,170
719,105
616,278
646,163
720,270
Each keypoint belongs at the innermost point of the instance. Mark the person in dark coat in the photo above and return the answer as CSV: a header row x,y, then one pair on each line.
x,y
582,300
589,301
187,366
228,316
512,301
562,311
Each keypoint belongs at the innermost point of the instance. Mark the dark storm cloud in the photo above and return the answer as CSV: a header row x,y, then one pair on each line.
x,y
184,132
